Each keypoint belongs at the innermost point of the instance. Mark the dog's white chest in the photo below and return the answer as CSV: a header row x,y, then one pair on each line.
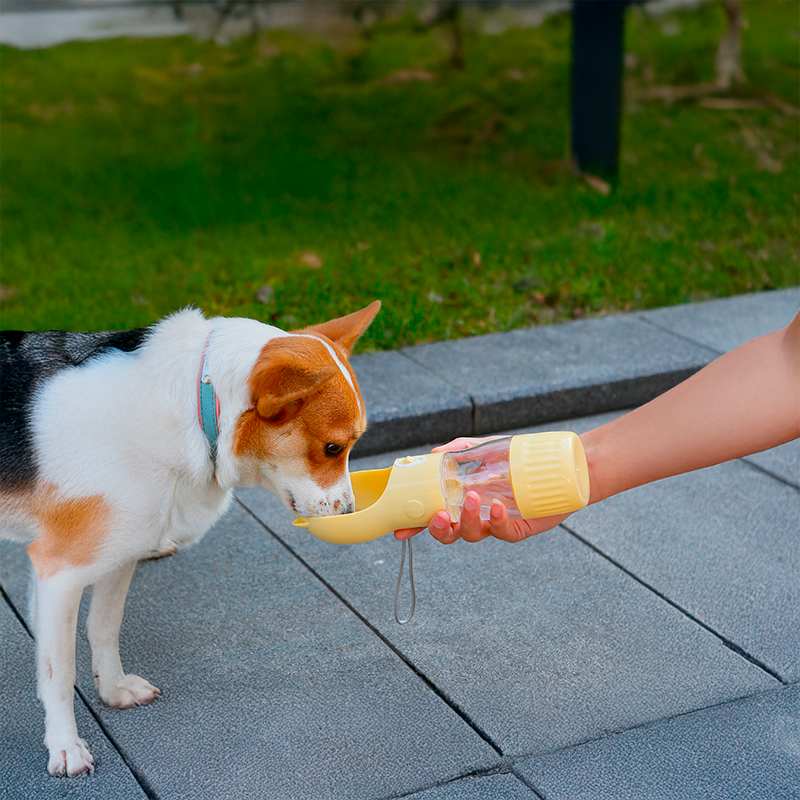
x,y
190,513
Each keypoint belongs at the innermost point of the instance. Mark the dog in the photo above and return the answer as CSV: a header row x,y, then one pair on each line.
x,y
116,447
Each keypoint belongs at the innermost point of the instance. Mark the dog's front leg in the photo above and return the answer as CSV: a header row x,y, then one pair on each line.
x,y
56,616
105,618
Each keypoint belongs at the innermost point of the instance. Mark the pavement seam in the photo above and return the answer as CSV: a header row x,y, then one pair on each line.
x,y
15,612
460,389
724,640
682,337
527,782
144,784
407,661
140,780
643,725
505,767
769,473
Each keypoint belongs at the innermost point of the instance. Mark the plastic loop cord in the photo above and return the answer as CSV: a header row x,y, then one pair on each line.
x,y
399,580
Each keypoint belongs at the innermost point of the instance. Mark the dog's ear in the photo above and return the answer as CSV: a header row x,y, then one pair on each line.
x,y
345,331
284,378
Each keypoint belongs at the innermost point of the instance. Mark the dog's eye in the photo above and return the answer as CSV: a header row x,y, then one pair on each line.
x,y
332,449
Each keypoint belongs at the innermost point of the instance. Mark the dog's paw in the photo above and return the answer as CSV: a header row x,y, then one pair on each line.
x,y
129,691
70,760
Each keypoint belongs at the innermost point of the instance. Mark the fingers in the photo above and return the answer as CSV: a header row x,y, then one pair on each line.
x,y
442,529
406,533
471,527
464,442
499,526
457,444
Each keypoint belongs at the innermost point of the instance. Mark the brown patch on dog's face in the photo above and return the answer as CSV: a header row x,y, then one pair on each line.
x,y
305,418
70,529
307,413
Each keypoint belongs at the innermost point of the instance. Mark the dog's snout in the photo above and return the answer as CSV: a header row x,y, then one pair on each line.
x,y
324,507
348,507
344,505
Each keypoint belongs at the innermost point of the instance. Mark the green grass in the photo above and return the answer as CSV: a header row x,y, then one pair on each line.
x,y
142,176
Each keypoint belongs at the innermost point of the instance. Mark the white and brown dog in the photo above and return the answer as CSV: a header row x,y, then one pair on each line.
x,y
119,446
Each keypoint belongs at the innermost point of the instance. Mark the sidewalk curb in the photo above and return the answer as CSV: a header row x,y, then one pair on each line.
x,y
485,384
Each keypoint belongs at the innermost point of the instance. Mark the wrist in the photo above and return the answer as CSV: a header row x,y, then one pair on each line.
x,y
593,447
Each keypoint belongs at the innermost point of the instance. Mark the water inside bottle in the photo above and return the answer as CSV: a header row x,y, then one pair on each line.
x,y
483,469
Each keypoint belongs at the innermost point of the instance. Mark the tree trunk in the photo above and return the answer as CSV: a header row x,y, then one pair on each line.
x,y
728,61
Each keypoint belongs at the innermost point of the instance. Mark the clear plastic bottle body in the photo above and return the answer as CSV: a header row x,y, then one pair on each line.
x,y
483,469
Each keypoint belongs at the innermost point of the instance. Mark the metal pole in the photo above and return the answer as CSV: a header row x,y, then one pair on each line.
x,y
597,56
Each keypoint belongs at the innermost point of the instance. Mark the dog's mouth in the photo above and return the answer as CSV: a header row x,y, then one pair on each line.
x,y
324,509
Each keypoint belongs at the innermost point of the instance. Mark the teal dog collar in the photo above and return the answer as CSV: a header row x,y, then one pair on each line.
x,y
208,404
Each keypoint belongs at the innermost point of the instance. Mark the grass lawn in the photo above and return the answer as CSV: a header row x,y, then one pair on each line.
x,y
142,176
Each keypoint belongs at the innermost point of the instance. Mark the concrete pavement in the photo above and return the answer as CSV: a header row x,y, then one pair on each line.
x,y
649,648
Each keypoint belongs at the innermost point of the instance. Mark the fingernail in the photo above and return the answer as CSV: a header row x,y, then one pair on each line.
x,y
471,502
497,509
438,523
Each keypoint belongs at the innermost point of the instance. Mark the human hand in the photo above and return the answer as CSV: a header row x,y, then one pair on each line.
x,y
471,528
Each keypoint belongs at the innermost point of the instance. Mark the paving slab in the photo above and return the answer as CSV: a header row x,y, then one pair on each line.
x,y
272,687
783,462
541,644
407,404
724,544
535,375
23,756
483,787
726,323
746,750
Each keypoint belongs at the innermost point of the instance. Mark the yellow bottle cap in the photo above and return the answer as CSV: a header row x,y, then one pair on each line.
x,y
549,474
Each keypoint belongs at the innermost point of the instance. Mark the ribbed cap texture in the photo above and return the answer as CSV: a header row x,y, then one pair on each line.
x,y
548,473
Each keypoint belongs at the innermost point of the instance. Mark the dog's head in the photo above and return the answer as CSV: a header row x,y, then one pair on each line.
x,y
307,413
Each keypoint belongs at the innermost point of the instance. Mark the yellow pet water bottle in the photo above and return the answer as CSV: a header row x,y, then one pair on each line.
x,y
533,475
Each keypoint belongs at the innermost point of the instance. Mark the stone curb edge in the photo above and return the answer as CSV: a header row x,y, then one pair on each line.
x,y
481,385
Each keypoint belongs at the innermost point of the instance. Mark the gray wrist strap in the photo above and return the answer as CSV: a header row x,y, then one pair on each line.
x,y
399,580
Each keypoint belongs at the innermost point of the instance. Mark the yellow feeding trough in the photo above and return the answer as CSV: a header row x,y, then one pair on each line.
x,y
533,475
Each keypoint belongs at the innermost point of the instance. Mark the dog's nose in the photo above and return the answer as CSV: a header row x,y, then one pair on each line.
x,y
344,506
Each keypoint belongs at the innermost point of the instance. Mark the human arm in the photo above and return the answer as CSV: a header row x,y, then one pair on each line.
x,y
746,401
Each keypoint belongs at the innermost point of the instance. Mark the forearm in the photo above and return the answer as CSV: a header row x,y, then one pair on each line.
x,y
746,401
